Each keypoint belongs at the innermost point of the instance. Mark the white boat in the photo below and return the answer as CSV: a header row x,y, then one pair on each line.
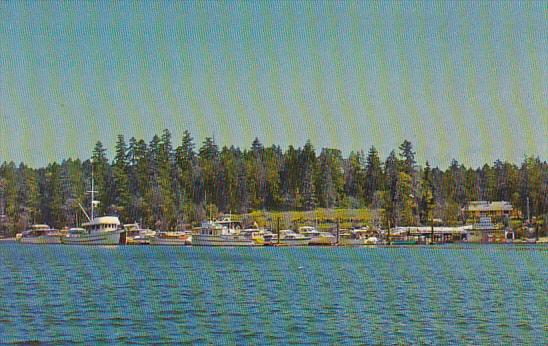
x,y
171,238
316,237
290,238
103,230
40,234
221,233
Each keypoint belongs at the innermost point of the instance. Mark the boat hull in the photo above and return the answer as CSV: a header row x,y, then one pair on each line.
x,y
41,240
215,240
293,242
351,242
95,238
322,241
403,242
168,242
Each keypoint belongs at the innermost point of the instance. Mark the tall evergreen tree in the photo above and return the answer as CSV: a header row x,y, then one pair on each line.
x,y
373,174
102,179
307,165
407,156
120,172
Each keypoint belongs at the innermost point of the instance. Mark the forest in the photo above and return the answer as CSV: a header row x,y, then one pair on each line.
x,y
162,185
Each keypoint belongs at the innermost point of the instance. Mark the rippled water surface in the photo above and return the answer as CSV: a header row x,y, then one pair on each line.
x,y
418,295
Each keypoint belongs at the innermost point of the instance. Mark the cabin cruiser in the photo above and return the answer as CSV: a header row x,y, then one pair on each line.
x,y
290,238
135,235
40,234
171,238
223,232
259,236
316,237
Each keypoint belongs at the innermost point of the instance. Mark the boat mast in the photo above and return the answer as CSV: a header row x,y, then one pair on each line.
x,y
92,193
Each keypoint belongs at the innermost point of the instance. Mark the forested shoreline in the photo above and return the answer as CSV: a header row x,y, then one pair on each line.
x,y
163,184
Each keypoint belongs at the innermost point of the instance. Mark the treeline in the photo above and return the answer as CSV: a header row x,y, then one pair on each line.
x,y
162,185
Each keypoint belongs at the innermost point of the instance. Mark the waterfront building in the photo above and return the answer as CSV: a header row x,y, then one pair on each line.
x,y
497,210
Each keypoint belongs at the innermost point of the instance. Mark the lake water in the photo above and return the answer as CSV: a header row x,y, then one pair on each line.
x,y
419,295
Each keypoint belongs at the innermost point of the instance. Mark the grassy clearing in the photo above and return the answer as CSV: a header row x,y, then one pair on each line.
x,y
321,218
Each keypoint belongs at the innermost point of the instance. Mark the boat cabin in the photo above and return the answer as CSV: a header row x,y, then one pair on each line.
x,y
102,224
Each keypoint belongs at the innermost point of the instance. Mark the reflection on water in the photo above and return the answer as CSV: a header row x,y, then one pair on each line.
x,y
412,295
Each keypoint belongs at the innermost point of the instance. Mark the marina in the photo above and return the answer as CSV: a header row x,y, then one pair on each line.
x,y
107,230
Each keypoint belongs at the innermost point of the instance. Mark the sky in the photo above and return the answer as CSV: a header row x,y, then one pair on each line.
x,y
464,80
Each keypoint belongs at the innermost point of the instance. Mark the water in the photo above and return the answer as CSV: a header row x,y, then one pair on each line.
x,y
419,295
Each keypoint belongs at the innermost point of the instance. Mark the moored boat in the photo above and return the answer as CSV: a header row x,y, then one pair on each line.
x,y
40,234
135,235
171,238
102,230
290,238
351,239
403,242
221,233
316,237
258,236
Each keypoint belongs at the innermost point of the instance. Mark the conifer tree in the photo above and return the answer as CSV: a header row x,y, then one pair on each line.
x,y
373,174
101,169
120,171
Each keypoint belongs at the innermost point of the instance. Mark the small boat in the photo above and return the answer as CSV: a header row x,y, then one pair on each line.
x,y
259,236
403,242
351,239
223,232
290,238
171,238
316,237
40,234
372,241
135,235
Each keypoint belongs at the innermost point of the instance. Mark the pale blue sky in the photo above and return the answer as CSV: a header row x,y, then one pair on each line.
x,y
464,80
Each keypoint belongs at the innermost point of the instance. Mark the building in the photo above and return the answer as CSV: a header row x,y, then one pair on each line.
x,y
495,210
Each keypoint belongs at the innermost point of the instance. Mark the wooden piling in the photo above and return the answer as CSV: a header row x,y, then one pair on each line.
x,y
278,230
338,229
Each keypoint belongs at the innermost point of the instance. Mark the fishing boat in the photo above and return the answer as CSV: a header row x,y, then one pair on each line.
x,y
40,234
316,237
103,230
171,238
223,232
